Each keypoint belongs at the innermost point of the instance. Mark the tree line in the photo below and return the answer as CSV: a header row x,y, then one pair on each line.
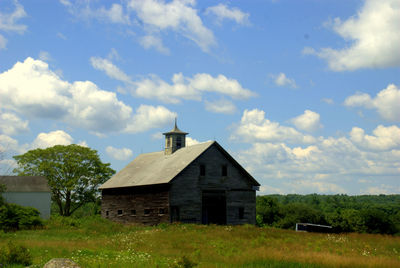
x,y
379,214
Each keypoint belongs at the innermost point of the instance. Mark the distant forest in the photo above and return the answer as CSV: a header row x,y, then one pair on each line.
x,y
378,214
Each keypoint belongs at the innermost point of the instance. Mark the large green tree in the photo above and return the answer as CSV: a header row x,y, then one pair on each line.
x,y
74,173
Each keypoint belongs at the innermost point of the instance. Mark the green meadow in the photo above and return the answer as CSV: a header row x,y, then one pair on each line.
x,y
96,242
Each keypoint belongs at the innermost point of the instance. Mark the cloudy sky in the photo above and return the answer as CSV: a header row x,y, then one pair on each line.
x,y
304,94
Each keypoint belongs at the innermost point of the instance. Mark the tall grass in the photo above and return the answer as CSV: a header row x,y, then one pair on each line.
x,y
96,242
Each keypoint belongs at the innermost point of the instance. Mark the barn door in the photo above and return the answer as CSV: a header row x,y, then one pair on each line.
x,y
213,207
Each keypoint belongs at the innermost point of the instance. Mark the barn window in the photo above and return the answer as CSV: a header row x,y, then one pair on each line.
x,y
133,212
224,170
107,213
147,211
178,142
241,213
161,211
119,212
202,170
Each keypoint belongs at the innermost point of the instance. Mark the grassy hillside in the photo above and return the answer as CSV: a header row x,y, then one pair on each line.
x,y
95,242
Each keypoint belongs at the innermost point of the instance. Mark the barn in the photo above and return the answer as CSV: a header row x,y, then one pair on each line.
x,y
201,183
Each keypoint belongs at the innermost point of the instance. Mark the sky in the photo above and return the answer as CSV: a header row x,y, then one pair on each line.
x,y
304,94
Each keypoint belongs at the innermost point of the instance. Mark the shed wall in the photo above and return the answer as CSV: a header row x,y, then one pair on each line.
x,y
39,200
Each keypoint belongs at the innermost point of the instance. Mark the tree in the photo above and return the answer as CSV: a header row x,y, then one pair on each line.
x,y
73,172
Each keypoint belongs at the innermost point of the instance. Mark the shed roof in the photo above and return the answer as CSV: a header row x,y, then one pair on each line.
x,y
25,183
159,168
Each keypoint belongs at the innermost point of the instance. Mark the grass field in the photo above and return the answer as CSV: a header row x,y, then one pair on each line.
x,y
95,242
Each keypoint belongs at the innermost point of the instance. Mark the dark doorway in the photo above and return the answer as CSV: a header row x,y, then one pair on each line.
x,y
214,207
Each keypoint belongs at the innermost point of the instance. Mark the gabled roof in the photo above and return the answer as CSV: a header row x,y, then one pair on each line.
x,y
159,168
25,183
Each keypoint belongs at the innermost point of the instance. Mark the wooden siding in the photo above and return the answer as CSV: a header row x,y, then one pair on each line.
x,y
149,199
188,187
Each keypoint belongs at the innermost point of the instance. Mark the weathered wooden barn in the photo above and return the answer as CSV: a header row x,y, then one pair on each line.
x,y
201,183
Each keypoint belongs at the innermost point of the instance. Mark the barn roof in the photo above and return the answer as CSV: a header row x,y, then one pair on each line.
x,y
25,183
159,168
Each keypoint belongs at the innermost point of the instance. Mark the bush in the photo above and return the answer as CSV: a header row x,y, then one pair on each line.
x,y
14,254
14,217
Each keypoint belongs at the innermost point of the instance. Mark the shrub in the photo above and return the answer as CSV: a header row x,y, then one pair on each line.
x,y
14,254
185,262
14,217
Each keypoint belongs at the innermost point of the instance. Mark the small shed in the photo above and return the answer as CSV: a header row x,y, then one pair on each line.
x,y
28,191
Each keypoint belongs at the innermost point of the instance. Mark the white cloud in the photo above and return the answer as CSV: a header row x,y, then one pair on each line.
x,y
119,154
44,56
9,22
60,35
10,124
189,88
255,127
308,121
110,69
58,137
190,141
152,41
381,189
328,101
282,80
148,117
82,10
325,165
224,12
386,102
221,106
385,138
30,88
374,35
179,16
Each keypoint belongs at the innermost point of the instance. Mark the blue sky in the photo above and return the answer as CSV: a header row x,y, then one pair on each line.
x,y
304,94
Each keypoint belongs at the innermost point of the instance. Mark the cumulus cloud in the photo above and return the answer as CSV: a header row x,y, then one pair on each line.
x,y
190,141
178,16
222,12
386,102
110,69
9,22
282,80
384,138
324,165
10,147
308,121
189,88
148,117
220,106
119,154
374,35
58,137
11,124
30,88
254,126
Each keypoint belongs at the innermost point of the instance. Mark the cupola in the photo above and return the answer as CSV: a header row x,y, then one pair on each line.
x,y
174,140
